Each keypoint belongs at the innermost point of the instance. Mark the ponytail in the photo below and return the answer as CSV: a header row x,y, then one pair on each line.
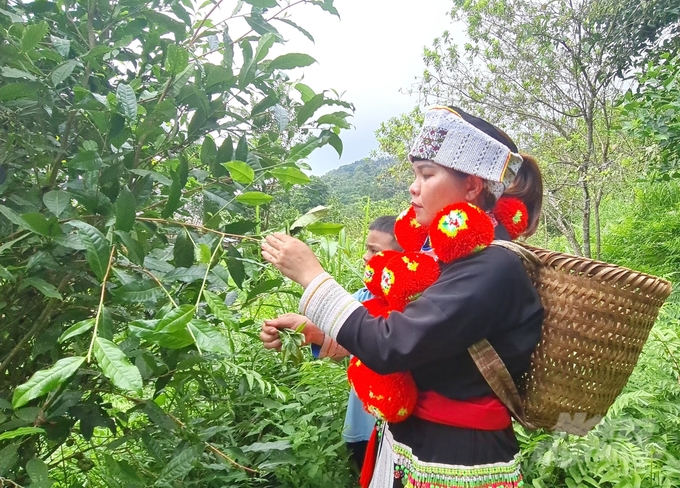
x,y
528,187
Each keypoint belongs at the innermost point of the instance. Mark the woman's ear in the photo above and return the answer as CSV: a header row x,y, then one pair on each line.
x,y
475,186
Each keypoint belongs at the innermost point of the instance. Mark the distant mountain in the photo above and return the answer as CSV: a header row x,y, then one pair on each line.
x,y
366,177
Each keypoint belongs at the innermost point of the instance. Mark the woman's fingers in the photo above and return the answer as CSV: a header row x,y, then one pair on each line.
x,y
270,337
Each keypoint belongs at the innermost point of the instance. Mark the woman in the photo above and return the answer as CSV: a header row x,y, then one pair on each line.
x,y
456,436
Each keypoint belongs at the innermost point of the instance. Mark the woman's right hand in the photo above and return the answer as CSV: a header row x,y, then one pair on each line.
x,y
270,330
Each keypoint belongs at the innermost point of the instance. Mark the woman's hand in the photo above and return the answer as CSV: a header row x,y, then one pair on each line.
x,y
270,330
292,257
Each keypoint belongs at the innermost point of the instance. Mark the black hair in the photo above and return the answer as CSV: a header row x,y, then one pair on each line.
x,y
384,224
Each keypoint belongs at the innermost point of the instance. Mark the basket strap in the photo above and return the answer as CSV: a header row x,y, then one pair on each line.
x,y
489,362
497,375
524,253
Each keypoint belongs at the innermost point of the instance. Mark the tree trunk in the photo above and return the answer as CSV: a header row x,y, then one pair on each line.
x,y
586,217
553,213
598,230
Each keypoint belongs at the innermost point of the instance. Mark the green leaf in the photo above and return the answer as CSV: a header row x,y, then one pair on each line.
x,y
36,222
63,71
292,176
76,329
14,18
306,93
86,161
116,366
26,89
131,247
174,197
47,289
308,109
204,253
125,210
39,472
262,3
208,151
240,172
139,291
176,319
127,101
183,250
177,59
325,229
218,308
291,61
235,266
335,142
241,153
32,36
160,178
254,198
209,338
12,216
303,149
314,215
97,247
247,73
6,275
267,102
45,381
263,46
8,72
21,431
62,46
180,465
57,201
293,24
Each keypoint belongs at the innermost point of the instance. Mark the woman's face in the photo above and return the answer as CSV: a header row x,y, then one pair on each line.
x,y
435,187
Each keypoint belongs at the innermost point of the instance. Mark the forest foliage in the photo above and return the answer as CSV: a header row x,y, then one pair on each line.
x,y
149,145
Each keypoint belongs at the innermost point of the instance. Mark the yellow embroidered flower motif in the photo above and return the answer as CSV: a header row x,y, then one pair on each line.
x,y
453,222
517,217
387,281
414,223
368,274
411,265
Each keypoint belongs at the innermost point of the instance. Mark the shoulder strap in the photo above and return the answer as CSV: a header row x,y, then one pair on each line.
x,y
489,362
497,375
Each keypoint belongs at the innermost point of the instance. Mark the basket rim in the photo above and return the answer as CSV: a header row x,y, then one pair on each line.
x,y
592,268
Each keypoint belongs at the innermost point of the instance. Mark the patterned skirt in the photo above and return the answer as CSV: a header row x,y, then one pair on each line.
x,y
421,454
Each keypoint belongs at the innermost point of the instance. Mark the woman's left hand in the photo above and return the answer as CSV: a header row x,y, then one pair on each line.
x,y
292,257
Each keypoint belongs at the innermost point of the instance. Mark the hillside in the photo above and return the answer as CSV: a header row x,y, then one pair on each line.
x,y
366,177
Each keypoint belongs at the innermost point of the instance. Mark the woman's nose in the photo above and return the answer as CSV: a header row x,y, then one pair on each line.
x,y
413,189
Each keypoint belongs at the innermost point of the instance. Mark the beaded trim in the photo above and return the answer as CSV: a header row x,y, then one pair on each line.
x,y
417,474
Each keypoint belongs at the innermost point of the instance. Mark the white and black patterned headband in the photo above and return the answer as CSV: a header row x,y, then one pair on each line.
x,y
449,140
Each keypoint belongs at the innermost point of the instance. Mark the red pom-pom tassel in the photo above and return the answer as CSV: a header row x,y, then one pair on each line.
x,y
377,307
513,215
409,233
404,277
391,397
373,271
460,229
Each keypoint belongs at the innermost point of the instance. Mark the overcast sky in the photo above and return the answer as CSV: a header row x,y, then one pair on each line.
x,y
372,53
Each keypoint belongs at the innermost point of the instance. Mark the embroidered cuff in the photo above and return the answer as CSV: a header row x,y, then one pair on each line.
x,y
327,304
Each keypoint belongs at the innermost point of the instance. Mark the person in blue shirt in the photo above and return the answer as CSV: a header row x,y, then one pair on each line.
x,y
358,422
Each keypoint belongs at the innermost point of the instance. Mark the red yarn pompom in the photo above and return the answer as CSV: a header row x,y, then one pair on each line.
x,y
408,232
460,229
391,397
373,271
404,277
513,215
377,307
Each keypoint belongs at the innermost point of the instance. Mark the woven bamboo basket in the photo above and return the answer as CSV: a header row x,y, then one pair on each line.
x,y
597,319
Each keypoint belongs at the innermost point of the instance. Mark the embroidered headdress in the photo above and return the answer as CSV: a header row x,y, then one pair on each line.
x,y
457,140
